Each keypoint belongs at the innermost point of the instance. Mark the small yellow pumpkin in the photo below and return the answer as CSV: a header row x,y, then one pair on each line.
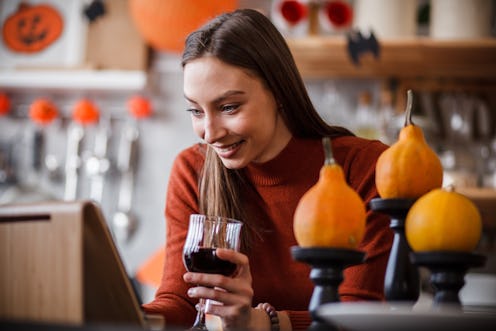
x,y
443,220
330,213
409,168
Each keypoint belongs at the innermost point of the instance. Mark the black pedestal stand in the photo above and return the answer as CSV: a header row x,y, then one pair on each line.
x,y
402,280
327,274
448,271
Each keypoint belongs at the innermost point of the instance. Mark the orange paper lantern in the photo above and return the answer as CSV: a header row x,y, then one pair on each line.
x,y
139,107
42,111
4,104
85,112
165,24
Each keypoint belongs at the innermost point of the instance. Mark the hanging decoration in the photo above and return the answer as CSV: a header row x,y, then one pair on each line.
x,y
32,28
95,10
339,13
139,107
293,11
165,24
298,18
85,112
42,111
4,104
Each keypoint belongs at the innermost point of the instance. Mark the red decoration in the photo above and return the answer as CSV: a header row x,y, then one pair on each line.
x,y
139,107
164,24
85,112
293,11
42,111
32,28
339,13
4,104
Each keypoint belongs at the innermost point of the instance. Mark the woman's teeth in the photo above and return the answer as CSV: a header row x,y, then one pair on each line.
x,y
229,148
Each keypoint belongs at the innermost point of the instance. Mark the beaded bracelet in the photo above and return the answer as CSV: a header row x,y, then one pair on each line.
x,y
272,313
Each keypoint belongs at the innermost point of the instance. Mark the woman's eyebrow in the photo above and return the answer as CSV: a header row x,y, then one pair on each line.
x,y
219,98
227,94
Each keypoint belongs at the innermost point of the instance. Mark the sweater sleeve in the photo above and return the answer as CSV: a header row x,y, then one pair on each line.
x,y
171,300
366,281
300,320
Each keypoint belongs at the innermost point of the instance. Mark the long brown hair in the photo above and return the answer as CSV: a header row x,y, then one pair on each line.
x,y
246,38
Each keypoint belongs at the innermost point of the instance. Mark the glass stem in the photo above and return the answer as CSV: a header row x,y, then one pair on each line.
x,y
200,317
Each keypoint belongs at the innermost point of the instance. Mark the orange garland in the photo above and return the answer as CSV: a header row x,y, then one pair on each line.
x,y
139,107
85,112
42,111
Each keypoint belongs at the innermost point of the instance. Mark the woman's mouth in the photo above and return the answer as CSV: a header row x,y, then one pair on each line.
x,y
229,150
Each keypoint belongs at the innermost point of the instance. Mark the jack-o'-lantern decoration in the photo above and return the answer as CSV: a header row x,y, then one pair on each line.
x,y
43,111
32,28
166,24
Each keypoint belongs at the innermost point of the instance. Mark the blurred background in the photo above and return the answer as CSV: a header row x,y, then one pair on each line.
x,y
94,108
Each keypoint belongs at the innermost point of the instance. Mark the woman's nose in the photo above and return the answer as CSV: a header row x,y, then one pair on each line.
x,y
213,129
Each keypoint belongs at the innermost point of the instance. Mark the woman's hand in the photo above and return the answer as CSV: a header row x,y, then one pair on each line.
x,y
234,294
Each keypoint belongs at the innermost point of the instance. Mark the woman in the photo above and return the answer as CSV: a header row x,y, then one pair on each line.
x,y
262,151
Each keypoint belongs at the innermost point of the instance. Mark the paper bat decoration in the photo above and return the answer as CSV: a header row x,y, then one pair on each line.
x,y
359,45
94,10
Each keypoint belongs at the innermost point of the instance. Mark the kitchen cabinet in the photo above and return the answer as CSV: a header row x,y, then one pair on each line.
x,y
419,57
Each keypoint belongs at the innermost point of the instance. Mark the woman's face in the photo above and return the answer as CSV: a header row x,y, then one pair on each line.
x,y
233,112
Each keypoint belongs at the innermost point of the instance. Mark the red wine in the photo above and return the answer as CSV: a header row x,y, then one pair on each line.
x,y
205,260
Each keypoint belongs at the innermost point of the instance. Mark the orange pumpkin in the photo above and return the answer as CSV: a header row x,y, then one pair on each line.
x,y
4,104
139,107
32,28
85,112
165,24
443,220
409,168
330,213
42,111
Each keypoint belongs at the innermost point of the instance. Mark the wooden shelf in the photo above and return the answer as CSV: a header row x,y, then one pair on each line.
x,y
104,80
324,57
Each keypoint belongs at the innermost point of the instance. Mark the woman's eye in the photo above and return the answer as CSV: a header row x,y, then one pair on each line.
x,y
194,112
229,108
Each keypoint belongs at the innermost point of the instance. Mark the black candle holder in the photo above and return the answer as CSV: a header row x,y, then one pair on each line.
x,y
402,280
448,270
327,274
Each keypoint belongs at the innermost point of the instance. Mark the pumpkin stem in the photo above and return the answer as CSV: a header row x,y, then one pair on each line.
x,y
409,103
329,158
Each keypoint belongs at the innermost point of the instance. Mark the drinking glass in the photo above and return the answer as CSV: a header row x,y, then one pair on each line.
x,y
205,235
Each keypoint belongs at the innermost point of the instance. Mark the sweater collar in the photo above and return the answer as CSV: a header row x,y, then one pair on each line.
x,y
282,168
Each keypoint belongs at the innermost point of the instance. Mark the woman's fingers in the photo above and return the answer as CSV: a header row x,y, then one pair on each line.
x,y
232,256
241,260
233,294
221,295
241,278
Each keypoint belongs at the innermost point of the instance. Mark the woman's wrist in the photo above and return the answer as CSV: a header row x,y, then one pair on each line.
x,y
259,320
271,314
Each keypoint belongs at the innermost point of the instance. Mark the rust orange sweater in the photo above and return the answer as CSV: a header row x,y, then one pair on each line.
x,y
279,183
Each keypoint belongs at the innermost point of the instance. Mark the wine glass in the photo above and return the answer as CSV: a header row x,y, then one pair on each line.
x,y
205,235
